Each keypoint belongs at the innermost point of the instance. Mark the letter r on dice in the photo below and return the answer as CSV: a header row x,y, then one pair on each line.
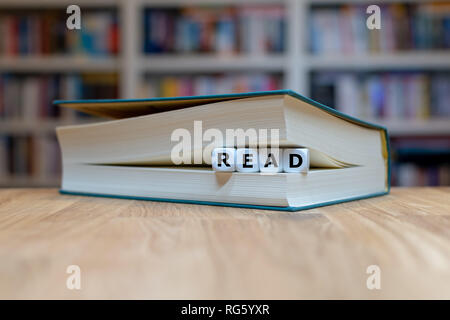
x,y
224,159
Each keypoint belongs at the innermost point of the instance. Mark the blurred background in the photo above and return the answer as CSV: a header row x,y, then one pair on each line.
x,y
398,76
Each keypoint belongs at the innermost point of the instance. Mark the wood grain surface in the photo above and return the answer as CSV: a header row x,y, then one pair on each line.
x,y
140,249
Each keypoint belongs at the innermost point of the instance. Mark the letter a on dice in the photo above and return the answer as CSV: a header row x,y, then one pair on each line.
x,y
270,160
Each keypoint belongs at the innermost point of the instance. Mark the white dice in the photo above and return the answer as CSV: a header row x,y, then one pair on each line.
x,y
266,160
247,160
270,160
224,159
296,160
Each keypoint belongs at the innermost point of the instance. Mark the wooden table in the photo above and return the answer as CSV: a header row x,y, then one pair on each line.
x,y
140,249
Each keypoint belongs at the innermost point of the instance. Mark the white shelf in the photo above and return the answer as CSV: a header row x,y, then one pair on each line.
x,y
48,4
57,64
174,3
209,63
406,60
428,127
367,2
38,126
22,126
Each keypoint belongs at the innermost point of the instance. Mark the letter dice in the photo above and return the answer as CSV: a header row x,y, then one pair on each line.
x,y
247,160
296,160
224,159
270,160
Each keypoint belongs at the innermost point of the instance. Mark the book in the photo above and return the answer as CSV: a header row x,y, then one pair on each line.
x,y
129,154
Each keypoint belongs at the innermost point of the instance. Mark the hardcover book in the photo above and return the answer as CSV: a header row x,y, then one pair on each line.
x,y
130,153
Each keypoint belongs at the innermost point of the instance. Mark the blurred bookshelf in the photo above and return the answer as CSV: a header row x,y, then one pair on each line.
x,y
151,48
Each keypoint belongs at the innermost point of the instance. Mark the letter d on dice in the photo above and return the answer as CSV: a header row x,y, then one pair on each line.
x,y
223,159
247,160
296,160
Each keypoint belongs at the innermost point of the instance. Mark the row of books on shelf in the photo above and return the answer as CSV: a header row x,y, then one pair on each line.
x,y
23,156
410,175
227,30
172,86
30,97
342,29
421,161
45,33
222,30
38,156
385,95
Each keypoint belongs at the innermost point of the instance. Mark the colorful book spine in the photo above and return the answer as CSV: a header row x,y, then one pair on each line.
x,y
173,86
29,97
413,175
342,29
385,95
45,33
421,161
221,30
25,156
